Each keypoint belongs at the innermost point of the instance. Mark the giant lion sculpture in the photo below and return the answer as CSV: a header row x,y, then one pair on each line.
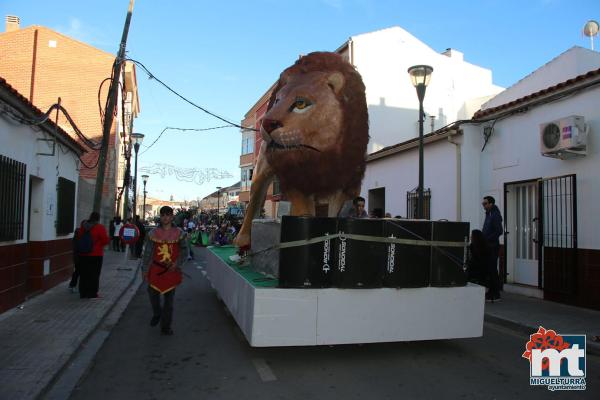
x,y
315,134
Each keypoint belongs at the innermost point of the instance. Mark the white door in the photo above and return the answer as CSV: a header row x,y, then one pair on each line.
x,y
524,231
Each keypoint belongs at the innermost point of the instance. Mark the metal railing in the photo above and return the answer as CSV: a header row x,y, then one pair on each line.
x,y
12,199
412,199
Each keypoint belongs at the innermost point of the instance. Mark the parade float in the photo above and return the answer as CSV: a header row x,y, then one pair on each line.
x,y
311,280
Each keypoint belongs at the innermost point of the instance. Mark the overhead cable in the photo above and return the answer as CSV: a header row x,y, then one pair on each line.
x,y
183,129
152,76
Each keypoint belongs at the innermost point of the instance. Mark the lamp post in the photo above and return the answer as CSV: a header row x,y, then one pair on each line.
x,y
218,205
136,140
420,75
145,180
118,206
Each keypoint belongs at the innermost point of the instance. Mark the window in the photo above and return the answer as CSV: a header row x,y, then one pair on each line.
x,y
247,143
65,207
412,198
246,178
12,199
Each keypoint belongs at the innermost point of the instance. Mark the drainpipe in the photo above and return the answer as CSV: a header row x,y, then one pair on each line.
x,y
457,144
33,62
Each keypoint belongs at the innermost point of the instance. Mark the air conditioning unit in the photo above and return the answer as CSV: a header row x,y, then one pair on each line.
x,y
564,138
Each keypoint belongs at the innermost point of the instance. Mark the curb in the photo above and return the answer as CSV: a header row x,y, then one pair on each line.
x,y
591,347
60,370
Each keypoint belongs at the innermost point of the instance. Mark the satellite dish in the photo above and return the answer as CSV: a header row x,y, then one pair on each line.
x,y
590,29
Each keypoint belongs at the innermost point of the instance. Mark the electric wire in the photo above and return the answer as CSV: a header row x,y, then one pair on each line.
x,y
35,123
182,129
100,109
152,76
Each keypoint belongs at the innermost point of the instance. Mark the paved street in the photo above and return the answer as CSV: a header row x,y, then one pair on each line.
x,y
208,358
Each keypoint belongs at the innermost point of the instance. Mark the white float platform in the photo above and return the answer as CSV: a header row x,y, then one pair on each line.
x,y
307,317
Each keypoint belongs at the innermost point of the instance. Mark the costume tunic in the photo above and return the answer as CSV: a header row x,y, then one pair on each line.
x,y
164,274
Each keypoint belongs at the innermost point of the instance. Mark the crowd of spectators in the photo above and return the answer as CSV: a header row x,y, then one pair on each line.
x,y
206,229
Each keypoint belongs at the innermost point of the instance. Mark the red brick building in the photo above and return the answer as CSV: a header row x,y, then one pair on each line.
x,y
251,142
44,65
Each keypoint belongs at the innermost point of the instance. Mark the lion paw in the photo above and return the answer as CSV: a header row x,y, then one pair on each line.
x,y
242,240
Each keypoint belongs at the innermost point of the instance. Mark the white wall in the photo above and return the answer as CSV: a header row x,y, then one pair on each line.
x,y
19,143
383,58
573,62
513,154
472,191
399,174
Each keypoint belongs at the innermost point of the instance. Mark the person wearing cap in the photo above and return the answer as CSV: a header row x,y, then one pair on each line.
x,y
165,251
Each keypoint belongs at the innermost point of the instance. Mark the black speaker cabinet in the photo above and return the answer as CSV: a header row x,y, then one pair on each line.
x,y
308,266
360,264
447,262
408,265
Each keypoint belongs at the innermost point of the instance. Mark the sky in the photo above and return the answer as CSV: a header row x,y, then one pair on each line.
x,y
223,55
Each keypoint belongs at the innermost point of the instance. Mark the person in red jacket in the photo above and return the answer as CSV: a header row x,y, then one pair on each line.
x,y
90,263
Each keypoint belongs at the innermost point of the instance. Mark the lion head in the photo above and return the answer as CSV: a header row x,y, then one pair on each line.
x,y
316,126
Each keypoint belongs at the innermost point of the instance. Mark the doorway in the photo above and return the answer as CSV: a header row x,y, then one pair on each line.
x,y
522,217
36,209
377,200
541,221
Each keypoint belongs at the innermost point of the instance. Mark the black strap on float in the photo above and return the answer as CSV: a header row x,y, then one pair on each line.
x,y
434,244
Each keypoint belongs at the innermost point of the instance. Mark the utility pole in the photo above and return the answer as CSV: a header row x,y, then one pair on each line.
x,y
108,113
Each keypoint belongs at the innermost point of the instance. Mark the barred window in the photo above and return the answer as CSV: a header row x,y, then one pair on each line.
x,y
12,199
412,199
65,207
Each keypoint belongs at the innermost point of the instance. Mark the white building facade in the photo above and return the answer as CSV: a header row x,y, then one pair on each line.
x,y
383,57
39,171
457,89
549,198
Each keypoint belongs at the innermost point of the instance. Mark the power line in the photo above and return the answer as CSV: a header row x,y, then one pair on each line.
x,y
35,122
198,129
182,129
90,166
152,76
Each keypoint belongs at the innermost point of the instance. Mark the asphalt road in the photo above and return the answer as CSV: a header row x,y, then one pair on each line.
x,y
209,358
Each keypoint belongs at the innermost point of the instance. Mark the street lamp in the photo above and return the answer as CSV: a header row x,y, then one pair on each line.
x,y
145,180
420,75
218,204
136,139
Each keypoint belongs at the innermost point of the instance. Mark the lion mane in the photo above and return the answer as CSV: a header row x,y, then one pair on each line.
x,y
338,167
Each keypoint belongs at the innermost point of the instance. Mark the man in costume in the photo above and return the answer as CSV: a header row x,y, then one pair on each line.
x,y
164,252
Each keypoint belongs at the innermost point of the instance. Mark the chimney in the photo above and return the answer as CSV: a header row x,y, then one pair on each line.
x,y
12,23
452,53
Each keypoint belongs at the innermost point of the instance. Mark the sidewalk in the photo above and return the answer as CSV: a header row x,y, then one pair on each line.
x,y
41,336
527,314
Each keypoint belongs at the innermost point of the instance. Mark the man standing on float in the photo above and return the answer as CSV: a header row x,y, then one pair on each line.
x,y
164,252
